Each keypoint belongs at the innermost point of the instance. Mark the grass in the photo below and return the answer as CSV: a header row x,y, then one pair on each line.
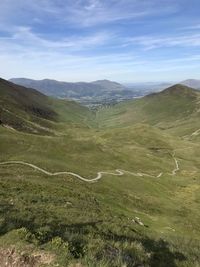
x,y
70,222
29,111
170,108
66,208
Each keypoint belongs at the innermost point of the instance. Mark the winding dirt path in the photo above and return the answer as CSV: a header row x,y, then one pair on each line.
x,y
197,132
118,172
176,165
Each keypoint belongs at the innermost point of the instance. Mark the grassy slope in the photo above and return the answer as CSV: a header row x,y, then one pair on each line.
x,y
172,108
92,223
28,110
102,211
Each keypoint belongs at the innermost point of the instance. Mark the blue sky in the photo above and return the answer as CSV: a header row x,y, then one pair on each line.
x,y
85,40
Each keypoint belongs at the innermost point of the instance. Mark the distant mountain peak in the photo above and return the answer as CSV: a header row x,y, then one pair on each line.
x,y
194,83
105,81
109,84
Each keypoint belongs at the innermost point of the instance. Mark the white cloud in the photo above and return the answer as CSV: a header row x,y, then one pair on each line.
x,y
24,37
82,13
81,40
152,42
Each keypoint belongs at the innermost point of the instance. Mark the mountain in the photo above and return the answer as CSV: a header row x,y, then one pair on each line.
x,y
165,109
29,110
85,92
192,83
109,85
141,208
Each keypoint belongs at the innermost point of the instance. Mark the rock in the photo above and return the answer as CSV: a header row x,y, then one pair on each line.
x,y
140,223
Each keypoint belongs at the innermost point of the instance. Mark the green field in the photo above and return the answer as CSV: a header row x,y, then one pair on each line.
x,y
148,219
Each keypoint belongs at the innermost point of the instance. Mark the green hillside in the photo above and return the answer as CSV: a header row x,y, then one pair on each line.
x,y
30,111
170,108
147,215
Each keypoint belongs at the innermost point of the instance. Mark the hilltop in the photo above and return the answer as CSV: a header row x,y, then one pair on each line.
x,y
110,85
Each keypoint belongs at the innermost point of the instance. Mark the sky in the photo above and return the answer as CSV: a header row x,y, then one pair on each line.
x,y
86,40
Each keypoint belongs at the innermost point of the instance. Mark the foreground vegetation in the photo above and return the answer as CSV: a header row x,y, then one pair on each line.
x,y
118,221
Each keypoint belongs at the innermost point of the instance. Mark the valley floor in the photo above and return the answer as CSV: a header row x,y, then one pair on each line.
x,y
144,213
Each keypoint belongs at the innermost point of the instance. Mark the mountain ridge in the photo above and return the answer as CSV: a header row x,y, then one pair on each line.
x,y
85,92
177,89
176,102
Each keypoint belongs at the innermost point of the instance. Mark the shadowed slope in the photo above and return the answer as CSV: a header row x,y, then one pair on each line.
x,y
30,111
